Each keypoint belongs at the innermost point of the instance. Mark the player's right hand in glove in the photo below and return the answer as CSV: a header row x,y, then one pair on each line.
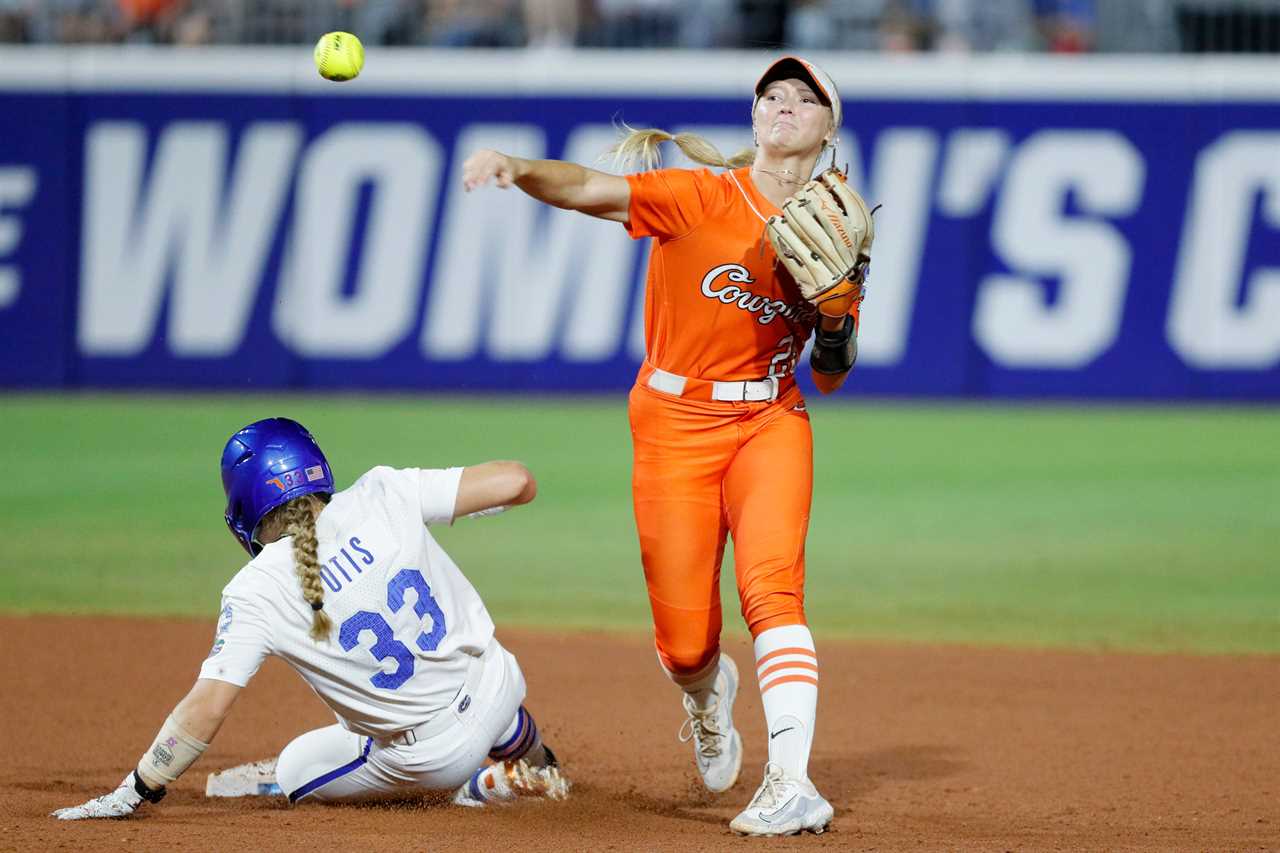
x,y
823,238
121,802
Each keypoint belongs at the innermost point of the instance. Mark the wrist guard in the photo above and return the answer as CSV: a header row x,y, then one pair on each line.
x,y
834,352
151,795
173,751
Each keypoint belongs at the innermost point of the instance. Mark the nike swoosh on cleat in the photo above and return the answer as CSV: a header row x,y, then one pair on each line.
x,y
773,735
766,817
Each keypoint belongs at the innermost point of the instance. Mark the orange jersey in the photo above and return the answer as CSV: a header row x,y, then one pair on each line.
x,y
717,306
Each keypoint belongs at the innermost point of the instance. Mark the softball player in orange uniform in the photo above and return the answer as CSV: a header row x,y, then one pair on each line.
x,y
721,437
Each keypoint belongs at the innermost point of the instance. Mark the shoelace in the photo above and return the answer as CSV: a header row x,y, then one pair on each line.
x,y
768,796
701,728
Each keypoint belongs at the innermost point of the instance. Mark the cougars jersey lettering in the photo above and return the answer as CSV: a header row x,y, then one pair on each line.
x,y
715,307
406,622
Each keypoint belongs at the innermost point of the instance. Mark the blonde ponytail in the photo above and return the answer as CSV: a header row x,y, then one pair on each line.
x,y
641,145
298,518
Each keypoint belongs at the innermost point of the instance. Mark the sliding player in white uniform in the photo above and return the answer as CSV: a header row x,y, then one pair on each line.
x,y
354,593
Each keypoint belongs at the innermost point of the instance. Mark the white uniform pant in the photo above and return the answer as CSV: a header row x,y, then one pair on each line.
x,y
333,764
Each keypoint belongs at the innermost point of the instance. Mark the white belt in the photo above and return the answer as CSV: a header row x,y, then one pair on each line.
x,y
447,717
743,391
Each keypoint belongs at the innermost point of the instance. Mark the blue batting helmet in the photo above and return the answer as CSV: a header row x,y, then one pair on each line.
x,y
264,465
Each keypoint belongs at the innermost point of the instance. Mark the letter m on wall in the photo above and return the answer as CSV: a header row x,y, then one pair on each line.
x,y
519,281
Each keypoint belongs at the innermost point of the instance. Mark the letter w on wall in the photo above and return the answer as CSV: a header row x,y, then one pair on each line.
x,y
175,225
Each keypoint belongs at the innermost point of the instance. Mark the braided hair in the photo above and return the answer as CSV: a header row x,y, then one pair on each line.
x,y
297,518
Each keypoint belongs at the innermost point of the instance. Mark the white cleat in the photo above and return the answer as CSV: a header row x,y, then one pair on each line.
x,y
717,746
783,806
505,781
257,779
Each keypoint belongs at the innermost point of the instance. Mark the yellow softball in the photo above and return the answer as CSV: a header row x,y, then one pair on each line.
x,y
339,56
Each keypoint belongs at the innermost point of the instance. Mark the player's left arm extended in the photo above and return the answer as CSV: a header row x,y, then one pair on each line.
x,y
491,487
184,736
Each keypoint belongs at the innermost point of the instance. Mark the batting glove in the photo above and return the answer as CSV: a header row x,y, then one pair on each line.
x,y
121,802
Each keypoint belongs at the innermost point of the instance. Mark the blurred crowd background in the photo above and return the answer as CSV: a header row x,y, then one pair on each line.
x,y
1061,26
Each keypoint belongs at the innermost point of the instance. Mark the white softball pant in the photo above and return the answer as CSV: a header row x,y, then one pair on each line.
x,y
334,764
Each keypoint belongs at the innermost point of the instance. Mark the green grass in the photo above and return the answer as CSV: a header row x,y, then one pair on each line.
x,y
1136,528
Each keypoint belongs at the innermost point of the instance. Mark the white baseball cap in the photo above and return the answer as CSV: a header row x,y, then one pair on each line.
x,y
789,67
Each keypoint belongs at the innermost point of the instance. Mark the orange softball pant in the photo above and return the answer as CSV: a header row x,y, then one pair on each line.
x,y
704,470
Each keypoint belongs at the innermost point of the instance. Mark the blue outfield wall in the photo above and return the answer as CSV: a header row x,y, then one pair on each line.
x,y
224,219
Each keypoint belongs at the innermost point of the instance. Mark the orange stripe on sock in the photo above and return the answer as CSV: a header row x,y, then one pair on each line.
x,y
788,679
788,665
794,650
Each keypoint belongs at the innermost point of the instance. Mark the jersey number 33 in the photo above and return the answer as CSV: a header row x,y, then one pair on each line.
x,y
385,645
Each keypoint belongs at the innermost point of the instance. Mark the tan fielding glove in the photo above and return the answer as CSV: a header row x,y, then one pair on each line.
x,y
823,238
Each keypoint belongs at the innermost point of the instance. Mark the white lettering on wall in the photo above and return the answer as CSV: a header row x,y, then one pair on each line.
x,y
1211,323
1035,236
204,236
401,165
515,276
972,166
902,179
17,189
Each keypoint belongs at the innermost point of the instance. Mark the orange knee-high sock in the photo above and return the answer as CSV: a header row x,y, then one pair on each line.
x,y
787,668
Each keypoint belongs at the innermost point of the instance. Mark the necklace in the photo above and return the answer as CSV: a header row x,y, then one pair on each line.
x,y
747,198
781,176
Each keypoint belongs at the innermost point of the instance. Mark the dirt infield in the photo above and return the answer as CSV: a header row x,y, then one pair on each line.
x,y
918,748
